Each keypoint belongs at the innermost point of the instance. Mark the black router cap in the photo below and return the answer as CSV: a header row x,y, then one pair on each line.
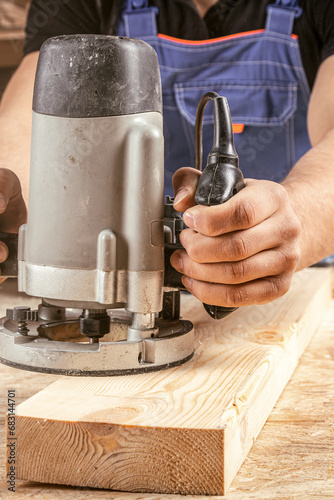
x,y
96,75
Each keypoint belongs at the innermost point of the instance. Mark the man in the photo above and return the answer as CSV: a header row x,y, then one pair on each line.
x,y
246,251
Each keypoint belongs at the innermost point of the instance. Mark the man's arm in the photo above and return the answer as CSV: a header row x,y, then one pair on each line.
x,y
245,251
310,184
15,132
15,121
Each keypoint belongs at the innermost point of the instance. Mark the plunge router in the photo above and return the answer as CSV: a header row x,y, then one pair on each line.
x,y
98,239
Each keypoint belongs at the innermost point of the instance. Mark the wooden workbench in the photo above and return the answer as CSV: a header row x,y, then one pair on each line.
x,y
293,456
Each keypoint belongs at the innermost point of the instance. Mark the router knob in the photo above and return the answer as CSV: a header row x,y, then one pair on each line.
x,y
22,315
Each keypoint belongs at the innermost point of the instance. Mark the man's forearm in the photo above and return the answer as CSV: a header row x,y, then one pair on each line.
x,y
310,185
15,121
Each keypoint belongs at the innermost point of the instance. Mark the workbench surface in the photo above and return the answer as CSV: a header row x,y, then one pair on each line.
x,y
293,457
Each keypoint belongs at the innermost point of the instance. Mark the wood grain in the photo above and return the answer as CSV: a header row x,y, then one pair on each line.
x,y
185,430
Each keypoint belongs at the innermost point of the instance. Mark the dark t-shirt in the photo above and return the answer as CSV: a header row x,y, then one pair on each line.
x,y
180,19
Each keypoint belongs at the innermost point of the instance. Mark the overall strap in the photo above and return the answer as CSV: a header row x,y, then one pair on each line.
x,y
281,16
139,19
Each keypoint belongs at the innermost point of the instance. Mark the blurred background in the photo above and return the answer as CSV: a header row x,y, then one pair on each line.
x,y
12,21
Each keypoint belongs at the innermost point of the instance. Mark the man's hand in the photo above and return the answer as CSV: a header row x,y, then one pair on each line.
x,y
13,210
242,252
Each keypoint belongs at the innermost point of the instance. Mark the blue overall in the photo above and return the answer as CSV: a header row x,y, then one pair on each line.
x,y
260,73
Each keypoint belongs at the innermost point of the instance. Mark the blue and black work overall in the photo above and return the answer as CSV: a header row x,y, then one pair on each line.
x,y
260,73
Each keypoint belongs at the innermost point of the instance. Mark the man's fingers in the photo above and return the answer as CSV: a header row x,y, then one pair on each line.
x,y
243,251
3,202
185,182
9,187
6,187
238,245
258,201
259,291
3,257
264,264
3,252
13,212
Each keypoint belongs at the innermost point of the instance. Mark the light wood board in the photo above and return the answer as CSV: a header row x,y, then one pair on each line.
x,y
184,430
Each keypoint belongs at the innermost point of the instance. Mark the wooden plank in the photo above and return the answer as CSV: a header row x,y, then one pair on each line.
x,y
293,456
185,430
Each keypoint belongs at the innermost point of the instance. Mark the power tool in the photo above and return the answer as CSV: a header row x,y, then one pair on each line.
x,y
98,239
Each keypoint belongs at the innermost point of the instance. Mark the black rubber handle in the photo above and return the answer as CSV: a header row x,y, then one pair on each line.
x,y
172,278
221,178
9,268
